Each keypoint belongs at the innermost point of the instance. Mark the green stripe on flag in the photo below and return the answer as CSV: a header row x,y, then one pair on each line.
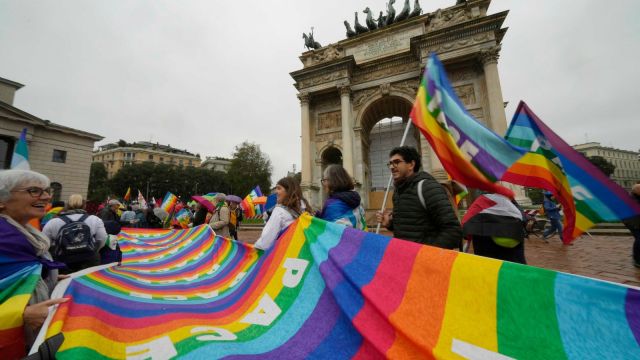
x,y
527,316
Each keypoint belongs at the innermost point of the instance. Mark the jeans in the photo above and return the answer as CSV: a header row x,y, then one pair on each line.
x,y
636,246
556,224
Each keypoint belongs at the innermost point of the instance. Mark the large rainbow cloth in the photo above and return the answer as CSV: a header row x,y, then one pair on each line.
x,y
330,292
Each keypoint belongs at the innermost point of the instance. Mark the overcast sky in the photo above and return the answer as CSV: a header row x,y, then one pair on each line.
x,y
206,75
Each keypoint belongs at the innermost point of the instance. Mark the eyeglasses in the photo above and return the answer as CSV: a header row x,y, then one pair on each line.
x,y
394,163
35,192
323,180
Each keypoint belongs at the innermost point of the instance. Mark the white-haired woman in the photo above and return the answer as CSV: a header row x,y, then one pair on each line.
x,y
75,213
23,197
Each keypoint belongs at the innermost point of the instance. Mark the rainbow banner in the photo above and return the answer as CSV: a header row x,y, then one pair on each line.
x,y
587,196
330,292
470,153
169,202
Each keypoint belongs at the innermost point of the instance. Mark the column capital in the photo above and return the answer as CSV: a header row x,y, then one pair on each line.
x,y
344,90
490,55
304,98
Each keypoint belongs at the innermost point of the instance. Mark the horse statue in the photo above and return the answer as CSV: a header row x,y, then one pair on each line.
x,y
309,42
417,10
404,13
359,28
350,32
391,13
370,23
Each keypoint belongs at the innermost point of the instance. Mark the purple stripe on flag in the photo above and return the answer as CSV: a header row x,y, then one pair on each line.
x,y
632,308
314,330
340,256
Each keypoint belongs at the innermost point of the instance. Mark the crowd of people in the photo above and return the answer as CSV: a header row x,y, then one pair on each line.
x,y
424,212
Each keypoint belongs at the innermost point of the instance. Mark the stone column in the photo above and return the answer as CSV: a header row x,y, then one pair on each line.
x,y
498,120
347,129
306,140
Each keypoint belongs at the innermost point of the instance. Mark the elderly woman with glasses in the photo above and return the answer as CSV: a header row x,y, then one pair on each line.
x,y
25,263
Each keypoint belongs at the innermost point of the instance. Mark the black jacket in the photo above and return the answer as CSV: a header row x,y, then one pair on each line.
x,y
435,225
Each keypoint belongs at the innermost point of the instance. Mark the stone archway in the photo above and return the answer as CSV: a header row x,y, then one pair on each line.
x,y
345,88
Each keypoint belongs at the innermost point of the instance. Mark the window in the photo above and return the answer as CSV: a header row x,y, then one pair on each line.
x,y
56,190
180,162
150,157
161,159
6,152
59,156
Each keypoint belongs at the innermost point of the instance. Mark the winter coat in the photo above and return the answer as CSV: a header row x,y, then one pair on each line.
x,y
220,222
551,209
435,223
344,208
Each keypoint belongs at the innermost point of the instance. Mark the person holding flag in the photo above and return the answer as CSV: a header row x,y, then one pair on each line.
x,y
220,218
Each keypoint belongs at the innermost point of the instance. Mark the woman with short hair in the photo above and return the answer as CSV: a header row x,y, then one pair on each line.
x,y
343,204
290,206
75,212
24,195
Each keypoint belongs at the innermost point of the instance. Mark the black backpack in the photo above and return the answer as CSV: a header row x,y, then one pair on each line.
x,y
74,242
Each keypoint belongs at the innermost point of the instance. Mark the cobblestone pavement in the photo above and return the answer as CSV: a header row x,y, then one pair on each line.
x,y
602,257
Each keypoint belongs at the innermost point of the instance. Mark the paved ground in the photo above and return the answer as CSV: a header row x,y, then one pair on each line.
x,y
603,257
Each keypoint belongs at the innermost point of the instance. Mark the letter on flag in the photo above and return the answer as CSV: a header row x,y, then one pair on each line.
x,y
587,196
20,159
470,153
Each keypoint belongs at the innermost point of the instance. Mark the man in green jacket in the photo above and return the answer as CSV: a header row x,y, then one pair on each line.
x,y
428,219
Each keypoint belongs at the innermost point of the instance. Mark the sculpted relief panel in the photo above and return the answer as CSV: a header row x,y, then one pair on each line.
x,y
322,79
466,93
329,120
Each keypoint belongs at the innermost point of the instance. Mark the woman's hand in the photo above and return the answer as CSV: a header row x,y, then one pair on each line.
x,y
63,276
35,315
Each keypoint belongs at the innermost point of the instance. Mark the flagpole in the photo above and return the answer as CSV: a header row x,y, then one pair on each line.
x,y
386,192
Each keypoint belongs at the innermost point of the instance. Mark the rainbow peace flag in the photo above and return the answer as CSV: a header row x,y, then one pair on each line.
x,y
53,212
250,209
470,153
183,218
587,196
330,292
169,202
127,196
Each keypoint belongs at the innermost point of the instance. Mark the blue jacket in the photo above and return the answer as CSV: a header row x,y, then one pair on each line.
x,y
551,209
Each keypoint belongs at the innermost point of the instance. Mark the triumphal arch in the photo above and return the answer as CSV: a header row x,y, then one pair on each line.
x,y
348,89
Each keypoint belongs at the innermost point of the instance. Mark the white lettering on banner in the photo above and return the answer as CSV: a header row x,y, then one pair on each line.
x,y
158,349
140,295
294,271
167,281
239,277
175,297
215,334
191,278
473,352
469,149
264,314
580,193
145,281
173,251
213,269
454,133
181,265
208,295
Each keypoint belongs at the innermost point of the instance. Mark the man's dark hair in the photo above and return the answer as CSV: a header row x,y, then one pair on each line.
x,y
408,154
57,204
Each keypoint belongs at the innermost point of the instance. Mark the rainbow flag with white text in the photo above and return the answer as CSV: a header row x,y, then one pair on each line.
x,y
169,202
330,292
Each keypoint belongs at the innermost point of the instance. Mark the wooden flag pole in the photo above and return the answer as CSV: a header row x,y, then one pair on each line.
x,y
386,192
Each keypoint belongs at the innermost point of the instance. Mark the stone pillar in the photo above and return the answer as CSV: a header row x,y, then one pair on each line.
x,y
347,129
307,176
498,120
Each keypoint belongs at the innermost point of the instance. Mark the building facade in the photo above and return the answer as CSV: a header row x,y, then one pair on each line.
x,y
348,88
60,152
116,155
627,163
216,163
